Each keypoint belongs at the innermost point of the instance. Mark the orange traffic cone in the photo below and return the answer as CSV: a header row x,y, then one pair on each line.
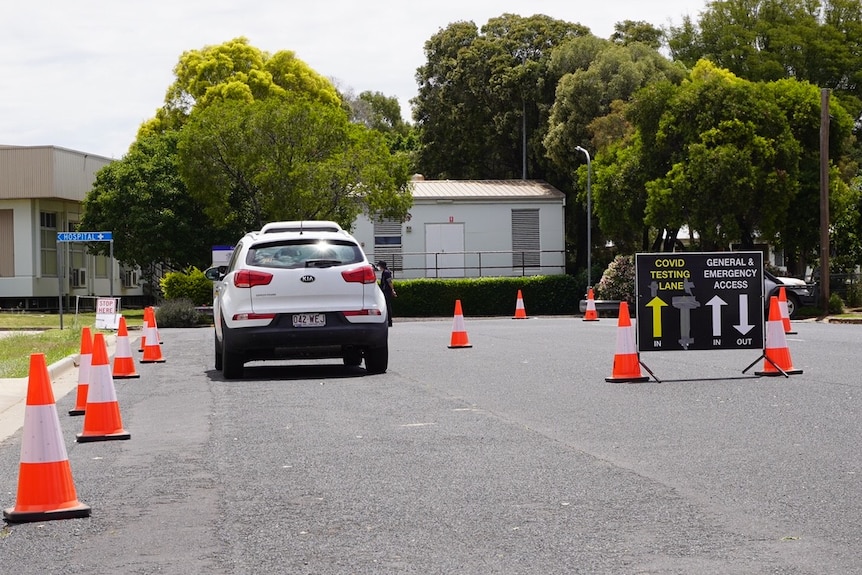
x,y
776,352
144,328
785,313
459,330
520,311
124,365
155,324
84,360
591,313
45,486
102,419
627,367
152,347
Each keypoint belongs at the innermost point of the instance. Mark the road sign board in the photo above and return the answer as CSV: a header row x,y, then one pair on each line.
x,y
85,236
699,301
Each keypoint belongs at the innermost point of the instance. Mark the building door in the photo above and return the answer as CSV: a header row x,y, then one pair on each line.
x,y
444,244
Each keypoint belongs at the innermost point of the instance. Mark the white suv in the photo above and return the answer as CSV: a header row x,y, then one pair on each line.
x,y
306,292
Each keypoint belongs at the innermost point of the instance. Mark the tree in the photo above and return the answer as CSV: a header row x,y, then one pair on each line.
x,y
597,78
281,158
731,159
764,40
142,199
631,31
478,89
236,70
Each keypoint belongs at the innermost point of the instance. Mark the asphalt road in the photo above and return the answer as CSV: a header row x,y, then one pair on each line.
x,y
511,457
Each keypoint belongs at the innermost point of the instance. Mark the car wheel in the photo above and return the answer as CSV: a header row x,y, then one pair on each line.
x,y
218,352
232,362
792,304
377,359
352,356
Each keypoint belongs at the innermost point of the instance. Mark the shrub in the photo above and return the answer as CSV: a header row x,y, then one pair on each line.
x,y
179,312
191,284
490,296
618,281
854,294
836,304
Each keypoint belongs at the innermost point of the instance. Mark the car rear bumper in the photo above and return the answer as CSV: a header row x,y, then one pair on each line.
x,y
281,339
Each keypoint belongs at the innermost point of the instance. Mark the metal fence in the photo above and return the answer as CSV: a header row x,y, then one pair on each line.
x,y
848,286
473,264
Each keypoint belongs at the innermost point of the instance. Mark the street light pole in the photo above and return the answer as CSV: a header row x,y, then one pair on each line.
x,y
589,219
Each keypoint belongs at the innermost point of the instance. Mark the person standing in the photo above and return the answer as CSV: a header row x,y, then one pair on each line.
x,y
387,287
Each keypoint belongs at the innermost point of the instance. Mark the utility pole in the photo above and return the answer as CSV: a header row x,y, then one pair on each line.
x,y
824,199
589,217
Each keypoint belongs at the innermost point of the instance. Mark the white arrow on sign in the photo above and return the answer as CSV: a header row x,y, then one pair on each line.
x,y
716,303
744,327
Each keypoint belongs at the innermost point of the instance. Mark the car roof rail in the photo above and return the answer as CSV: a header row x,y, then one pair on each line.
x,y
301,226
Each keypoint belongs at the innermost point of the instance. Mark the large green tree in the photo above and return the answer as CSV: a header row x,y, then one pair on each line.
x,y
235,70
597,78
280,158
819,41
477,91
727,157
243,137
142,199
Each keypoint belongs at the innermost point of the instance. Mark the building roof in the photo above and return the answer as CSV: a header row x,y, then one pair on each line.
x,y
485,190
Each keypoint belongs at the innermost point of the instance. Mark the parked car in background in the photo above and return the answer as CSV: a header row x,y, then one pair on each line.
x,y
298,290
797,292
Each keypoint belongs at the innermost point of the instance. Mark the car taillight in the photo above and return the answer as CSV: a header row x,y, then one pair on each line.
x,y
251,278
248,316
364,274
356,312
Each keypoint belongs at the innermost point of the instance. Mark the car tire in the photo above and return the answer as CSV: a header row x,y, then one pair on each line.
x,y
377,359
792,305
352,357
218,352
232,362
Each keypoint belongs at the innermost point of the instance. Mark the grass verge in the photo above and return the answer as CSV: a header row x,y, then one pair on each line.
x,y
42,334
15,350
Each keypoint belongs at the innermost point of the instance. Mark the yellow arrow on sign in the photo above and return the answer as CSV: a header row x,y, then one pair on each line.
x,y
656,304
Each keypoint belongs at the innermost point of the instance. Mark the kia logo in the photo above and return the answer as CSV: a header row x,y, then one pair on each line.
x,y
307,279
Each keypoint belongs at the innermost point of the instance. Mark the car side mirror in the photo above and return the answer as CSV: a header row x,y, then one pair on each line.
x,y
215,273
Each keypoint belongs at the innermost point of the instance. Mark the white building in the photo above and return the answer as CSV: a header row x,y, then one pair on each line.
x,y
41,193
472,228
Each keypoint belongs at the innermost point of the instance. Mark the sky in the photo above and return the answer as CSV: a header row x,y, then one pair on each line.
x,y
84,74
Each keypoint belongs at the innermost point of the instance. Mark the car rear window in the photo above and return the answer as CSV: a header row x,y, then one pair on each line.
x,y
304,253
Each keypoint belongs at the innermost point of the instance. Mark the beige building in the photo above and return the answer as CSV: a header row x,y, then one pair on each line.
x,y
41,193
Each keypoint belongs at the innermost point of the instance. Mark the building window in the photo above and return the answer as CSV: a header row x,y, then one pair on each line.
x,y
77,250
387,244
525,238
7,239
48,237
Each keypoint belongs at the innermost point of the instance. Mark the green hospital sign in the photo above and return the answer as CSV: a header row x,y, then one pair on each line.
x,y
688,301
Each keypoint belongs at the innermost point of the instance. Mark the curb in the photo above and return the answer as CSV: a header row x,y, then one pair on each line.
x,y
58,368
13,391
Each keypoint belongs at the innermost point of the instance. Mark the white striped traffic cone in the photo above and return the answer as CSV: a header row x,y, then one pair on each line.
x,y
785,313
84,360
591,313
102,421
776,353
627,367
124,364
46,489
459,330
520,310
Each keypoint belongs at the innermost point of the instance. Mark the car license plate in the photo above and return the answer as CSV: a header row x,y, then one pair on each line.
x,y
309,320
